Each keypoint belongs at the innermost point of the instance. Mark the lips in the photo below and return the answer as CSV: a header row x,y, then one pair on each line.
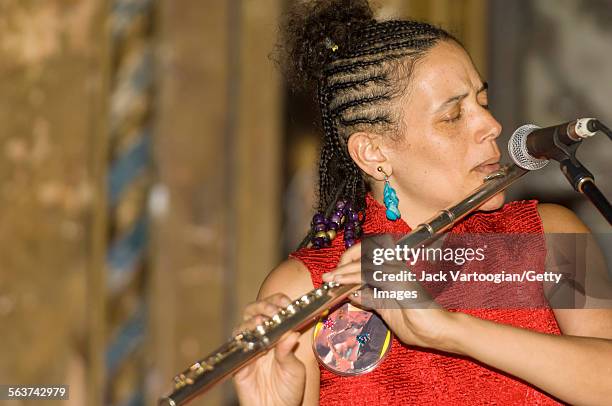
x,y
488,167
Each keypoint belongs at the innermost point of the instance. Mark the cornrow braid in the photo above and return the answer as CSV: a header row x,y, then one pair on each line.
x,y
356,94
357,78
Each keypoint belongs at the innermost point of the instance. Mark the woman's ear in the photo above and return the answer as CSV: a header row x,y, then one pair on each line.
x,y
364,149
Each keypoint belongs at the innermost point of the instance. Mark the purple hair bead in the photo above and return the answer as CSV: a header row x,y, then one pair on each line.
x,y
320,227
343,217
318,218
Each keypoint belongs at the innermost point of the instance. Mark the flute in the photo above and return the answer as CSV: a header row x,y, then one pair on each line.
x,y
245,346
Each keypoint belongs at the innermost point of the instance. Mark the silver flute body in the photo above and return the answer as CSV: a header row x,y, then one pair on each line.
x,y
245,346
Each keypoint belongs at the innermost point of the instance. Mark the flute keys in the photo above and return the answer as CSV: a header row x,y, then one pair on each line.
x,y
214,359
197,368
179,381
260,329
291,309
319,292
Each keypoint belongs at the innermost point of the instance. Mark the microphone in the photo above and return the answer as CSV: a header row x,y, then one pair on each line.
x,y
531,147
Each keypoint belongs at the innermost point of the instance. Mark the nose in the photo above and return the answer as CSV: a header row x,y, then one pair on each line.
x,y
489,128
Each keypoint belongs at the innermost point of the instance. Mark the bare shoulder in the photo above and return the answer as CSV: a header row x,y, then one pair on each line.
x,y
291,277
560,219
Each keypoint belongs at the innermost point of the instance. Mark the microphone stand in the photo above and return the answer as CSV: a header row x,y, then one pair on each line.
x,y
581,179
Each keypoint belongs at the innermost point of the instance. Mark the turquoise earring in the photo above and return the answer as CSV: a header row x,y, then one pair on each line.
x,y
390,198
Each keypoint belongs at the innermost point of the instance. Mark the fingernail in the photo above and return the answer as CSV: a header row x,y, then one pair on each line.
x,y
285,301
326,276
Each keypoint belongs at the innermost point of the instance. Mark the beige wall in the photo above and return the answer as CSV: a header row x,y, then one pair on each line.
x,y
218,146
51,89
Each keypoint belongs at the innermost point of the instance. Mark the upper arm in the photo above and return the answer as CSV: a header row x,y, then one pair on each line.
x,y
293,279
559,219
581,255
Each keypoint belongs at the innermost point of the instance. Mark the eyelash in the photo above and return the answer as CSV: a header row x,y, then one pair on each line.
x,y
455,119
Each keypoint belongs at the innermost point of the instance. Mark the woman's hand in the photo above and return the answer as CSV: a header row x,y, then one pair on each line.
x,y
422,322
277,377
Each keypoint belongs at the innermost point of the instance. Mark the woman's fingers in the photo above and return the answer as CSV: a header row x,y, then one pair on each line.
x,y
340,272
268,306
250,323
284,348
346,269
349,278
279,299
261,307
284,355
259,311
352,254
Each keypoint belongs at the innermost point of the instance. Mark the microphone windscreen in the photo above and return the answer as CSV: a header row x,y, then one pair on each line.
x,y
517,148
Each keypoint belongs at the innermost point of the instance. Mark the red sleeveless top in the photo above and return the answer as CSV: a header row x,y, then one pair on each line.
x,y
413,375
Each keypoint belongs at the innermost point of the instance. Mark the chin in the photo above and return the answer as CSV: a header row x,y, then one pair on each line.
x,y
494,203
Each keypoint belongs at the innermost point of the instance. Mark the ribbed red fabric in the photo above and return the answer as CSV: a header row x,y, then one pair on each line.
x,y
416,376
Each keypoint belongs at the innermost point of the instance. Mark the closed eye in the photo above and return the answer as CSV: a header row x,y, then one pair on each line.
x,y
455,117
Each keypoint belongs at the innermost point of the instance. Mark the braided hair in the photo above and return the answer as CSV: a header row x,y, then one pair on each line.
x,y
356,64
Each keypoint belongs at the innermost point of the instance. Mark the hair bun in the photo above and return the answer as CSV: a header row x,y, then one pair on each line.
x,y
316,32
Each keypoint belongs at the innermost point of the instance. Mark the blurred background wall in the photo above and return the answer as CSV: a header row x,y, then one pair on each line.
x,y
550,62
154,168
